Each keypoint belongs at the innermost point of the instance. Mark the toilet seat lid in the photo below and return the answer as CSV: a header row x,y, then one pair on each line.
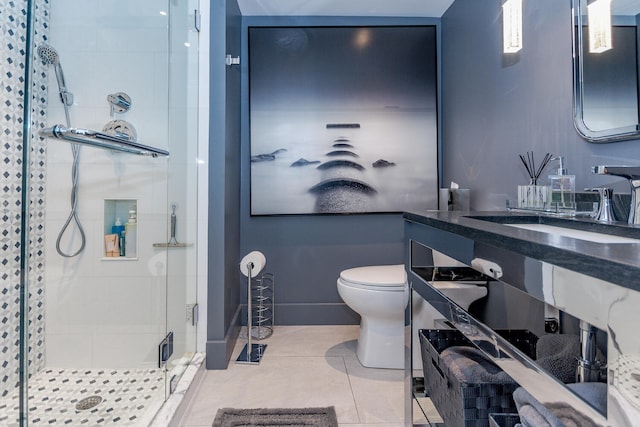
x,y
376,275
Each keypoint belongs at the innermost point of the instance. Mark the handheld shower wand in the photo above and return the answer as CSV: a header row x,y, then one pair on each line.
x,y
49,56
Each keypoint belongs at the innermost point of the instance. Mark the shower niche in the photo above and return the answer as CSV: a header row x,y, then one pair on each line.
x,y
120,229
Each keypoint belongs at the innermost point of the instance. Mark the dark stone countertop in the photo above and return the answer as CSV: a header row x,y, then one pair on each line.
x,y
617,263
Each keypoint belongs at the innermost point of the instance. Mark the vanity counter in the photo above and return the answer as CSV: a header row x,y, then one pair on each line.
x,y
617,263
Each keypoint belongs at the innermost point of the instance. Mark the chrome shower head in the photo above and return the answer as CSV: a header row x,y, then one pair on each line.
x,y
48,55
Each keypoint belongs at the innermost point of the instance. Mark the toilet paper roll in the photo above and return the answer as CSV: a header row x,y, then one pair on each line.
x,y
258,261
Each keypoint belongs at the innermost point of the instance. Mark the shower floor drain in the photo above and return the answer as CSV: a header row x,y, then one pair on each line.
x,y
88,403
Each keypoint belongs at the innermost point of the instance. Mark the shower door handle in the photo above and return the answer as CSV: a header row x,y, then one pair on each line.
x,y
165,350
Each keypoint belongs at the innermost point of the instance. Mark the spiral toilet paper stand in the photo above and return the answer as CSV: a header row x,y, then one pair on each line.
x,y
259,313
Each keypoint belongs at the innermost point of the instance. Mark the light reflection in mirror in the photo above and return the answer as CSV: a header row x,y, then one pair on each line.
x,y
606,82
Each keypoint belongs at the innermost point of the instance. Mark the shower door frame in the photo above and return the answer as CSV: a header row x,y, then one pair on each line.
x,y
23,376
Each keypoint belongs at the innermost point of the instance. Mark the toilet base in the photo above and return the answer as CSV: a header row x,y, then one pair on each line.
x,y
381,344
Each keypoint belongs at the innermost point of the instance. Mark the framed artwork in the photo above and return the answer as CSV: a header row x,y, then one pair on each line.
x,y
343,119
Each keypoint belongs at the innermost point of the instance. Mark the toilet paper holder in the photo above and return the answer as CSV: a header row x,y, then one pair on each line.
x,y
260,306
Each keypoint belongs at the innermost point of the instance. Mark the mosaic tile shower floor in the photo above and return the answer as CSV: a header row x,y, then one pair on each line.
x,y
130,397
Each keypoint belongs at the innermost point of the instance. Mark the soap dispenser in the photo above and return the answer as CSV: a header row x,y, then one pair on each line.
x,y
563,187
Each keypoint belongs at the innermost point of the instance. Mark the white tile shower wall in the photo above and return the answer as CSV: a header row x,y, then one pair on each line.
x,y
12,65
108,313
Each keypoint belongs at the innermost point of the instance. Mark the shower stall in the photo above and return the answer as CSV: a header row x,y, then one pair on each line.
x,y
99,200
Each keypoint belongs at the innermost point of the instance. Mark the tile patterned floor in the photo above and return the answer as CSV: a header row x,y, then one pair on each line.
x,y
304,366
130,397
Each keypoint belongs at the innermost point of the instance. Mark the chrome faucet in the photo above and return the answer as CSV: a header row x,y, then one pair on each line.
x,y
632,173
605,208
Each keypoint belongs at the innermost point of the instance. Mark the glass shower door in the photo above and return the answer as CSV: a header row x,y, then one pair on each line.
x,y
102,312
107,257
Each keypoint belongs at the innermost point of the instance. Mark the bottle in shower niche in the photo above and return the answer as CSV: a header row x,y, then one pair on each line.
x,y
118,230
131,231
563,187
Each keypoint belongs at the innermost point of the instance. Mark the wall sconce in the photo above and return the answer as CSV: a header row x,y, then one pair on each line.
x,y
512,26
599,14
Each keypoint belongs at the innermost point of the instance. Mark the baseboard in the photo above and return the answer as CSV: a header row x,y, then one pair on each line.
x,y
315,314
218,352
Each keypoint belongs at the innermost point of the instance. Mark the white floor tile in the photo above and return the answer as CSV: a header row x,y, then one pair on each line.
x,y
304,366
379,393
278,382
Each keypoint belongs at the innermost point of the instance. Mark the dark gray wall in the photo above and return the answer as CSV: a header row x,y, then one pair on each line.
x,y
224,186
306,253
496,106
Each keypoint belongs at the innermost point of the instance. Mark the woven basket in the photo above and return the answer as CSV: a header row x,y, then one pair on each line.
x,y
523,340
462,404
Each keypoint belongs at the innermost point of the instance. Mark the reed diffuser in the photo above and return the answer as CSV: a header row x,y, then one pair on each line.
x,y
530,165
533,195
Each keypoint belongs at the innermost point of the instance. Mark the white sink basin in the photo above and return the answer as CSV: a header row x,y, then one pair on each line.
x,y
575,234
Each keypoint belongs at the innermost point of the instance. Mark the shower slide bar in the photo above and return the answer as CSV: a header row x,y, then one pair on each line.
x,y
101,140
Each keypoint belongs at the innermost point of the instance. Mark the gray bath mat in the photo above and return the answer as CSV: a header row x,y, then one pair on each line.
x,y
264,417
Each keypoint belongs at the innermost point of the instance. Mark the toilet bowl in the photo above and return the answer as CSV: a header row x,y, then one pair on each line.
x,y
379,294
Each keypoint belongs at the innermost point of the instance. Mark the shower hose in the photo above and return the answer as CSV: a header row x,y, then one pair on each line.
x,y
73,215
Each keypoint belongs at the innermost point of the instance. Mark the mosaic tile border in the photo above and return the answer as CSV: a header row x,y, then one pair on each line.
x,y
12,65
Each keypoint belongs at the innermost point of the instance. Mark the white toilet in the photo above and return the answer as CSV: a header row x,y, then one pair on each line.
x,y
379,294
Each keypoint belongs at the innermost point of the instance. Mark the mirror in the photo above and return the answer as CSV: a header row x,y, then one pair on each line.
x,y
606,83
